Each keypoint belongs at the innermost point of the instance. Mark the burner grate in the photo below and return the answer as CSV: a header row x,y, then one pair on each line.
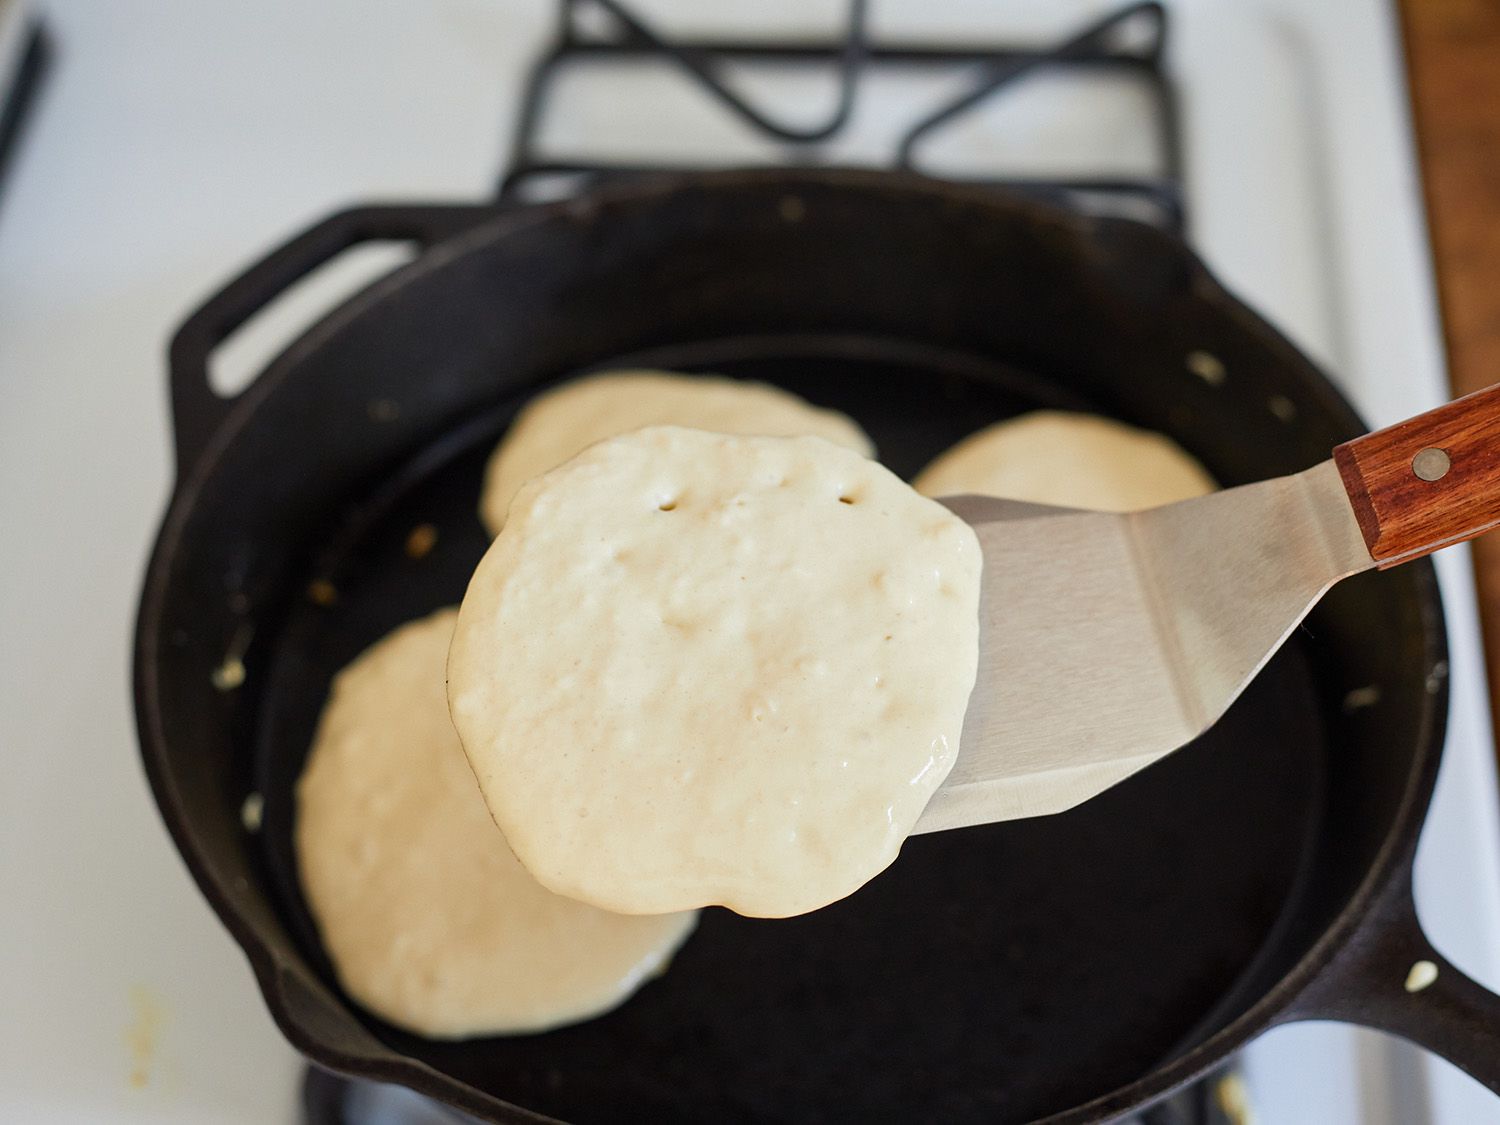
x,y
1128,42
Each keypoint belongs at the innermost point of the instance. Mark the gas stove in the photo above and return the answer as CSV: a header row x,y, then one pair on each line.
x,y
175,142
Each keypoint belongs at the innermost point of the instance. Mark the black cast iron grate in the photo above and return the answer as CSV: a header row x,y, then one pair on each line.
x,y
1128,42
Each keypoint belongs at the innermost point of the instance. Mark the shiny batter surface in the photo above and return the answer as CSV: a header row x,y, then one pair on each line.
x,y
430,921
1072,460
567,420
698,668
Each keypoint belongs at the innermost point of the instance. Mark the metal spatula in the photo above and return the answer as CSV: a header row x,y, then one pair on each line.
x,y
1108,641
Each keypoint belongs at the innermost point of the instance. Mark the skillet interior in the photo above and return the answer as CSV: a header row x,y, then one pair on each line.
x,y
994,974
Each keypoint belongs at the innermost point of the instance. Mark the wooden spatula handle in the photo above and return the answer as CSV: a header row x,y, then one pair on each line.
x,y
1426,482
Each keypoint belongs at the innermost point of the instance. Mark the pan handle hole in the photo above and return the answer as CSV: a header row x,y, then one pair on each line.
x,y
245,352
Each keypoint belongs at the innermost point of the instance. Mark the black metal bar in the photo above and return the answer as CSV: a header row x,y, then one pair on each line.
x,y
799,51
700,63
24,85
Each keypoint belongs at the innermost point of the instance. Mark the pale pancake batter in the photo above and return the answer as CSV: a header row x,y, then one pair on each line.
x,y
430,921
1072,460
698,668
562,422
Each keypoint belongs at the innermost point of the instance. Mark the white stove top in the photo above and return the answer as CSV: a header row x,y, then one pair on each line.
x,y
176,140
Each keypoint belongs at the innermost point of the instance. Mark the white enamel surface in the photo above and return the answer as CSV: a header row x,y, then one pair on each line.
x,y
176,140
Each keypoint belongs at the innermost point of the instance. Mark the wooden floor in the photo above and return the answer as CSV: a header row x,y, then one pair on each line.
x,y
1453,55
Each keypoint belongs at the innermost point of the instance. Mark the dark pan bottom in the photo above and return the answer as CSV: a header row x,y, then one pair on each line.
x,y
992,974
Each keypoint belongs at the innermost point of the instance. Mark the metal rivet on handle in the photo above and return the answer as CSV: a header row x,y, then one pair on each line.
x,y
1431,464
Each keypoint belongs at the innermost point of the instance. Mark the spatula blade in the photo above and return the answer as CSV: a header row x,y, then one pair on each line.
x,y
1109,640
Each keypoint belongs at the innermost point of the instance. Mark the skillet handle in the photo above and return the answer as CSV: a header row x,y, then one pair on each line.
x,y
1389,977
197,410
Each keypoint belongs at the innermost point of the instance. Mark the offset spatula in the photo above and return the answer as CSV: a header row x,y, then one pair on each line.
x,y
1108,641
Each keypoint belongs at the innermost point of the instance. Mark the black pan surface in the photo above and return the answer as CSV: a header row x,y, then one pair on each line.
x,y
990,974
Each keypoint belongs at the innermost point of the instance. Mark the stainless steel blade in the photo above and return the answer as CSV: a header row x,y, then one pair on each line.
x,y
1108,641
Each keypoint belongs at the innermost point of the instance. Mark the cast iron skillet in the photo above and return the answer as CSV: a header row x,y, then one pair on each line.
x,y
1071,967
